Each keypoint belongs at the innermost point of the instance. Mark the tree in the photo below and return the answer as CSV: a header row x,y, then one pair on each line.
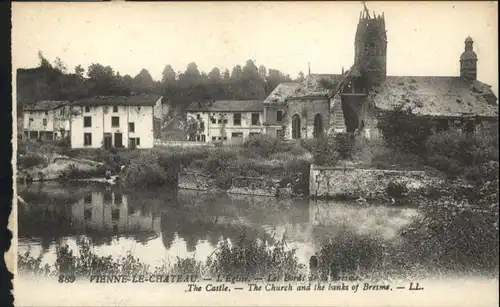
x,y
59,65
168,75
226,75
250,71
79,71
214,74
101,79
262,70
43,61
300,77
237,72
143,82
192,71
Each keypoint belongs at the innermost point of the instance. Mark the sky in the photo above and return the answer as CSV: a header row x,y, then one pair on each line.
x,y
424,38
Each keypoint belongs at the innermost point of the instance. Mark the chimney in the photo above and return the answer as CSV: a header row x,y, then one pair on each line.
x,y
309,65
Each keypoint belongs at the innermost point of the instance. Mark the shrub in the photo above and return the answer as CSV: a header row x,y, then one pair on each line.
x,y
323,150
456,235
30,160
446,165
404,131
146,171
396,190
265,145
350,253
250,258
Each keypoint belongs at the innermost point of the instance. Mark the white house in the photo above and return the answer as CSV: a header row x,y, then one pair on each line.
x,y
113,121
46,120
227,121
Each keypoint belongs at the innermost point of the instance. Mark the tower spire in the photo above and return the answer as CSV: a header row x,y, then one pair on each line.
x,y
309,66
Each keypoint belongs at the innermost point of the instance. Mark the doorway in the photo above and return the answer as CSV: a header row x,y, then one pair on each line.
x,y
108,142
318,126
131,143
118,140
296,127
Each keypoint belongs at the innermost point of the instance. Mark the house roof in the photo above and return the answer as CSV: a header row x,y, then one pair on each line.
x,y
228,106
281,93
46,105
436,96
135,100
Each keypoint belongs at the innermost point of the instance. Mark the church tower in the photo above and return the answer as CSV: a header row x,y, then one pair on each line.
x,y
468,61
371,48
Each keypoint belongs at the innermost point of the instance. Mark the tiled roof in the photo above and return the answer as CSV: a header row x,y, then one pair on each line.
x,y
436,96
317,85
281,93
46,105
228,106
135,100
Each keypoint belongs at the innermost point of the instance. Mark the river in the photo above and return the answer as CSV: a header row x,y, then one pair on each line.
x,y
157,226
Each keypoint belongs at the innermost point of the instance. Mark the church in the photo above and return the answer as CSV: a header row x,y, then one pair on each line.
x,y
356,99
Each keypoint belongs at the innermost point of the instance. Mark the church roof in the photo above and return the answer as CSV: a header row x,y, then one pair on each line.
x,y
468,55
317,85
436,96
281,92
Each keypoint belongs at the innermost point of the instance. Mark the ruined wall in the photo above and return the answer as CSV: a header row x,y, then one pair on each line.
x,y
259,186
370,184
307,109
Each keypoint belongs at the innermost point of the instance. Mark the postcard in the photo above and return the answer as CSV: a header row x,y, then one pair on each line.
x,y
255,153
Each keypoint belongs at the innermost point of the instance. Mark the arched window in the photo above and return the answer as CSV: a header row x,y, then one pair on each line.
x,y
318,126
296,127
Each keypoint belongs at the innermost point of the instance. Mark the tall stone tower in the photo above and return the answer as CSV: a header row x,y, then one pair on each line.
x,y
371,48
468,61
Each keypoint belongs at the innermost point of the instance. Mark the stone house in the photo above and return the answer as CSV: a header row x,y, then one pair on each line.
x,y
46,120
226,121
113,121
355,100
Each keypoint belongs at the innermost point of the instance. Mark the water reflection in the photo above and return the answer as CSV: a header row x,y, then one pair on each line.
x,y
163,224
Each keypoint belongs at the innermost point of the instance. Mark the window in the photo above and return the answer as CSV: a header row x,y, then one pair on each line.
x,y
62,111
255,119
213,120
225,138
131,127
87,214
115,109
237,134
279,116
31,120
138,108
115,121
214,138
251,134
87,121
87,139
87,199
237,119
87,109
45,122
46,113
137,141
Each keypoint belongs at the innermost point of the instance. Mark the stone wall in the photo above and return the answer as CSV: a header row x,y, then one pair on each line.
x,y
195,181
259,186
369,184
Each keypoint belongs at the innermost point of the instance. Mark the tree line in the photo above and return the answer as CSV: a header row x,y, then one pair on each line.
x,y
53,81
